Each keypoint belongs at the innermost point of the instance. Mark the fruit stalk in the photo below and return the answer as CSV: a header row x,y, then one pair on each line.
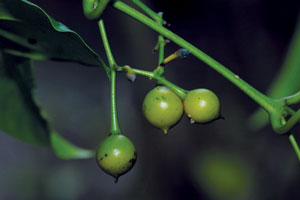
x,y
152,75
295,146
114,128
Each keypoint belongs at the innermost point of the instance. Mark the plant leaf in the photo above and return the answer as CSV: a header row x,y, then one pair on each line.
x,y
285,83
38,36
66,150
21,117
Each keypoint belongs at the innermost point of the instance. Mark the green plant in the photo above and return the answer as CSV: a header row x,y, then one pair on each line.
x,y
25,30
116,155
92,9
202,106
162,108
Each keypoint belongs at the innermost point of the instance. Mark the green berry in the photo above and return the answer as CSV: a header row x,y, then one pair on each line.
x,y
116,155
202,105
162,108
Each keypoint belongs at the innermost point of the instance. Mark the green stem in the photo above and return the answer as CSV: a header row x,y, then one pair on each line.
x,y
148,11
295,118
295,145
109,55
267,103
293,99
292,138
114,128
178,90
162,44
161,54
160,70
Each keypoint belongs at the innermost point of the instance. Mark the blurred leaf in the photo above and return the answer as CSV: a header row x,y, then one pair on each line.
x,y
38,36
66,150
286,83
20,116
26,31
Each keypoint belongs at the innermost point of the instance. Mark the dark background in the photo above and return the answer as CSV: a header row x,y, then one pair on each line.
x,y
250,37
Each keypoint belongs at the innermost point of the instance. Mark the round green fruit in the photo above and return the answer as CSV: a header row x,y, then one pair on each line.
x,y
116,155
202,105
162,108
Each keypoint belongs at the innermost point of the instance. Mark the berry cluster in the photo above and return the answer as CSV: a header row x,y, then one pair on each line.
x,y
163,108
116,154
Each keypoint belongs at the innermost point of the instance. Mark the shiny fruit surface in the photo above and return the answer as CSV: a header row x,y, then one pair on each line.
x,y
202,105
162,108
116,155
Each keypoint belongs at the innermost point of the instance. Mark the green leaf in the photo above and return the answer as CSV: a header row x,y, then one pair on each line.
x,y
286,82
66,150
38,36
20,115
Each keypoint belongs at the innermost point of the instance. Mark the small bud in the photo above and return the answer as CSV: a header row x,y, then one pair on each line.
x,y
167,41
183,53
131,76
